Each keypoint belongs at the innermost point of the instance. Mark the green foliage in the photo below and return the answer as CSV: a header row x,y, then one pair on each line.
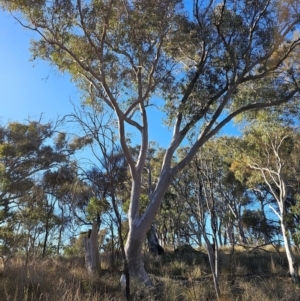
x,y
96,206
94,39
258,226
76,246
26,198
144,201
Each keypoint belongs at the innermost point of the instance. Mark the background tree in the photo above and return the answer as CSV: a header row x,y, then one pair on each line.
x,y
26,152
64,185
266,149
206,179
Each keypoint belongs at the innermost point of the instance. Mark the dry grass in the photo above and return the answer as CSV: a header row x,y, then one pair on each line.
x,y
245,276
55,280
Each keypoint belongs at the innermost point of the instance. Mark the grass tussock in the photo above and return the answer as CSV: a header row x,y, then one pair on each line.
x,y
244,276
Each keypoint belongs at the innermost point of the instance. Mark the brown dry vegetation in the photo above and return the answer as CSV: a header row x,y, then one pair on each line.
x,y
245,276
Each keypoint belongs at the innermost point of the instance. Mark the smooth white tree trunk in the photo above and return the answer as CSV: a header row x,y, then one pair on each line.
x,y
293,266
92,256
135,260
139,226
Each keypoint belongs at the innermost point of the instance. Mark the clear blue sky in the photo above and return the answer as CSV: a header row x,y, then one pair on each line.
x,y
29,89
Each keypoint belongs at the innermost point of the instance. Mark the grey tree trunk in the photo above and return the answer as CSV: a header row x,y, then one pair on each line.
x,y
213,261
153,243
139,226
230,233
135,260
92,256
242,236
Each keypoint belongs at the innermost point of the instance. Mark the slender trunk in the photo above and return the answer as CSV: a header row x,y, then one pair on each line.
x,y
125,278
293,266
47,229
112,247
217,271
27,250
220,234
153,244
46,238
165,237
230,233
213,267
213,250
238,215
241,231
60,230
59,241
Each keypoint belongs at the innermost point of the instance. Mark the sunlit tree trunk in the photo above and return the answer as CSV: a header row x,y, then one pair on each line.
x,y
134,257
293,266
91,246
139,226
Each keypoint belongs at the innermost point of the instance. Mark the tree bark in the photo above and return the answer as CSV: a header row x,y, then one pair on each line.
x,y
61,228
293,266
92,258
46,238
213,261
139,225
230,232
242,236
153,243
133,251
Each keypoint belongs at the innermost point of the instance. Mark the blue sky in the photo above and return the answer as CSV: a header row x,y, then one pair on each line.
x,y
29,89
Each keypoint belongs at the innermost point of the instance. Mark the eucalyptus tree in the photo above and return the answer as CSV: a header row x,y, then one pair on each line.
x,y
204,206
212,194
62,184
266,150
26,152
36,220
107,176
259,228
192,59
172,221
233,192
